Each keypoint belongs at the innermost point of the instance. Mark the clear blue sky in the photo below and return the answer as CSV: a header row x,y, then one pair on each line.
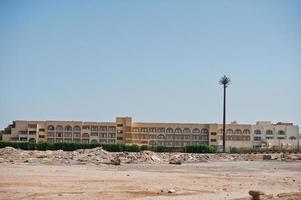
x,y
152,60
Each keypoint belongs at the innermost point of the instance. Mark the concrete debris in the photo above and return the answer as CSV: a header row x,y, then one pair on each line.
x,y
100,156
259,195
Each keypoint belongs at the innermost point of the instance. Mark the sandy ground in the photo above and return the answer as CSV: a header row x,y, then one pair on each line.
x,y
211,180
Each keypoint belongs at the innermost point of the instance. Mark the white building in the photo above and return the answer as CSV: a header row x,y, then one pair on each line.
x,y
266,134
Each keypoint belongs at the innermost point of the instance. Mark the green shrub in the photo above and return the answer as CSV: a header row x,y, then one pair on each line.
x,y
202,148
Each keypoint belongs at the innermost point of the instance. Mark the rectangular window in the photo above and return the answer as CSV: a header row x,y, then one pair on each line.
x,y
144,130
111,135
94,128
76,135
86,127
213,140
119,125
32,126
195,137
50,135
257,138
32,132
93,134
112,129
103,129
23,139
135,130
59,134
144,136
103,135
178,137
213,133
68,135
169,137
161,130
152,130
187,137
42,130
204,137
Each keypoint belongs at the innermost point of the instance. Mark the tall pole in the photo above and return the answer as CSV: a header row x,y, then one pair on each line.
x,y
225,81
224,121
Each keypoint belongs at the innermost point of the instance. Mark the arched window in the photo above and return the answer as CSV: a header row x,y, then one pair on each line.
x,y
186,130
204,130
196,130
169,130
269,132
68,128
237,131
50,128
246,131
178,130
76,128
229,131
152,142
281,132
85,135
292,138
94,141
59,128
257,132
161,137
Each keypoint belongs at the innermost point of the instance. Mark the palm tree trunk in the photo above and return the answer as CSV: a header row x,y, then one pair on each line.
x,y
224,121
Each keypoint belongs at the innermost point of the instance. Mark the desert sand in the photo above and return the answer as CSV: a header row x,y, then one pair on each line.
x,y
208,180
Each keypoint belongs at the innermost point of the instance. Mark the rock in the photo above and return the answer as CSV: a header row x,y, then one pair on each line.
x,y
171,191
267,157
115,161
259,195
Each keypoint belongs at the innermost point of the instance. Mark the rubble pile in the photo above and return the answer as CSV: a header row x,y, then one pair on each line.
x,y
100,156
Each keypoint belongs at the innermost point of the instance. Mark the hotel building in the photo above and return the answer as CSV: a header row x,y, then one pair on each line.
x,y
125,131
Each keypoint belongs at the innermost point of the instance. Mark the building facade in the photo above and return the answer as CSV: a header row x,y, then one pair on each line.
x,y
125,131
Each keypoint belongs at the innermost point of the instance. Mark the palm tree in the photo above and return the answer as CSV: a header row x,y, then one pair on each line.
x,y
225,81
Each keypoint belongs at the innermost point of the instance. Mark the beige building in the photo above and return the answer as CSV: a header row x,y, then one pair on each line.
x,y
125,131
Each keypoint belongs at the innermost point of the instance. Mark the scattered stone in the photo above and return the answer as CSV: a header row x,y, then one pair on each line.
x,y
171,191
